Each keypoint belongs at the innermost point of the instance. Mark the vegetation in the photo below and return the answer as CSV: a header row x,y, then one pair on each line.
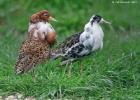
x,y
113,73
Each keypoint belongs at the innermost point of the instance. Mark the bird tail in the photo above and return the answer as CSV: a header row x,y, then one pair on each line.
x,y
24,63
55,54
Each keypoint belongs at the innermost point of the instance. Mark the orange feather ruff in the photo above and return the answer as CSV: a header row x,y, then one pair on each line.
x,y
51,38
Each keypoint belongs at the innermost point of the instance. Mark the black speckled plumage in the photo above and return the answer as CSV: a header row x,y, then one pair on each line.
x,y
67,43
74,52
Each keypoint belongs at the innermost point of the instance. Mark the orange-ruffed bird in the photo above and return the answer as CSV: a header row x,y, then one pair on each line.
x,y
36,48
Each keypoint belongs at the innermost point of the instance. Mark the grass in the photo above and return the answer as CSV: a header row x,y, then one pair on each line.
x,y
113,73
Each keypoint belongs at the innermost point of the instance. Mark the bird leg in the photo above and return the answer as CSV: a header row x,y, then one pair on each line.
x,y
33,75
69,69
81,67
66,66
69,66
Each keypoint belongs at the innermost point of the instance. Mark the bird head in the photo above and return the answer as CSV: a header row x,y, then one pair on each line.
x,y
42,16
98,19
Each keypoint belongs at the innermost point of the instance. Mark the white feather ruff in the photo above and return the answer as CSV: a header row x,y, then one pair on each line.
x,y
92,36
40,28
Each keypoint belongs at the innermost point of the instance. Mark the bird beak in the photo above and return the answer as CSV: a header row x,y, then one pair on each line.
x,y
52,19
104,21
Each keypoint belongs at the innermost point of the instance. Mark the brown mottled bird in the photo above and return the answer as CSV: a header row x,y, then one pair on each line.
x,y
36,48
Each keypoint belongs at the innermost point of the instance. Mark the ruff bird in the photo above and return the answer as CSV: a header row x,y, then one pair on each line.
x,y
36,47
83,43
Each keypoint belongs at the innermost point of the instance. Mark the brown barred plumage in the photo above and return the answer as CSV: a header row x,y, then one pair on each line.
x,y
31,53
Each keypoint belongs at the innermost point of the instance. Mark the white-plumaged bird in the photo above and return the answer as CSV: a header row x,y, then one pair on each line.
x,y
81,44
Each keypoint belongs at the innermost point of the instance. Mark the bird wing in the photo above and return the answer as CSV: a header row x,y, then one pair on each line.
x,y
77,51
31,53
65,45
82,48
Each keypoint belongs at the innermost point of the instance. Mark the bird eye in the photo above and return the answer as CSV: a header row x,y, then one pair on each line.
x,y
45,14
